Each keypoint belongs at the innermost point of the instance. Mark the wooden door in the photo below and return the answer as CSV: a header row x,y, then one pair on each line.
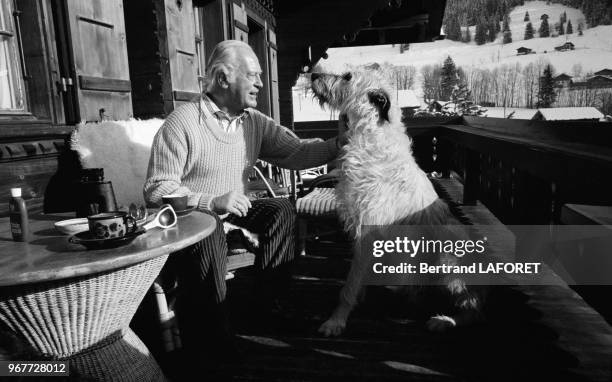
x,y
100,73
273,68
241,29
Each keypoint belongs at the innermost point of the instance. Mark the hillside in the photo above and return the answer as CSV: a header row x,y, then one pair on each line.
x,y
593,50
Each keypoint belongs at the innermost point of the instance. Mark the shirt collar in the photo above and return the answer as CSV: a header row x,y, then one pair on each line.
x,y
209,109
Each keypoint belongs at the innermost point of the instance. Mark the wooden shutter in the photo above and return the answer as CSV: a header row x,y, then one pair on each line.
x,y
99,52
180,77
273,67
241,29
214,23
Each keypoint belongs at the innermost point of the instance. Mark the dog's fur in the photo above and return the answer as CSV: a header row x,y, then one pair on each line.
x,y
381,185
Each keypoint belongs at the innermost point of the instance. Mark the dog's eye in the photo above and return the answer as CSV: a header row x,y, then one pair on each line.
x,y
347,76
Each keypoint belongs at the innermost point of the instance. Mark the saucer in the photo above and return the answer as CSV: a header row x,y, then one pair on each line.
x,y
185,212
72,226
91,242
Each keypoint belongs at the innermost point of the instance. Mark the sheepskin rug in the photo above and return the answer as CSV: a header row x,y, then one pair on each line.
x,y
122,149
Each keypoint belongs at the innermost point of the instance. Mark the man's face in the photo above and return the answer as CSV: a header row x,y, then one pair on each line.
x,y
247,81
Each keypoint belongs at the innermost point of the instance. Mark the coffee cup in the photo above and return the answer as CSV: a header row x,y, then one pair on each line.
x,y
108,225
177,201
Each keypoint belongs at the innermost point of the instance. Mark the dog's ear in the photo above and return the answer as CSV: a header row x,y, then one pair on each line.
x,y
380,99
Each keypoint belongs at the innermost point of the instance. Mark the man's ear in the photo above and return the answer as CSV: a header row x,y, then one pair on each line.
x,y
380,99
222,79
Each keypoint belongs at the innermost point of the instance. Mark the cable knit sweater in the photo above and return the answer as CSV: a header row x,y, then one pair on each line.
x,y
194,156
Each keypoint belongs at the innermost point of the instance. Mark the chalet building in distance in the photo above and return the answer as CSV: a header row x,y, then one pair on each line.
x,y
604,72
522,50
562,80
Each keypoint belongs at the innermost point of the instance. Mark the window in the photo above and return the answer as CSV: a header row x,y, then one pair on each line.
x,y
12,94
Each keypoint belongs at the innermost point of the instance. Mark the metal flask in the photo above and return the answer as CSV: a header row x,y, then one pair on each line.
x,y
94,194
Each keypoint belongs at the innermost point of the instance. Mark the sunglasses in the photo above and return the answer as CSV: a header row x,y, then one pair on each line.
x,y
164,218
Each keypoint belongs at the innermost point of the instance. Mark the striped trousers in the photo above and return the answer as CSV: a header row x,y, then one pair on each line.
x,y
202,312
201,268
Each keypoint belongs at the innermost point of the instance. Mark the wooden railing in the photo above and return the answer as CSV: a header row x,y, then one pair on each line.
x,y
523,171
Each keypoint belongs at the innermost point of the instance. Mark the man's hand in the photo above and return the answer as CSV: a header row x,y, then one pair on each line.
x,y
232,202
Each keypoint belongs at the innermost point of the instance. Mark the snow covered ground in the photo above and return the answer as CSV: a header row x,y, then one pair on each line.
x,y
593,50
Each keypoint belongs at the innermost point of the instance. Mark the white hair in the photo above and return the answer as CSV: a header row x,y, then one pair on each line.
x,y
224,58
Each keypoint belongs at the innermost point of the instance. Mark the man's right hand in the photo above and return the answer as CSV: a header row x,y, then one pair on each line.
x,y
232,202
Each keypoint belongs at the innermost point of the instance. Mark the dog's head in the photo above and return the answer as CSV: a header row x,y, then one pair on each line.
x,y
362,96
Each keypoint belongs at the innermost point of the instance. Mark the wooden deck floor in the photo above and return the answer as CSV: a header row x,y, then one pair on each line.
x,y
386,341
532,333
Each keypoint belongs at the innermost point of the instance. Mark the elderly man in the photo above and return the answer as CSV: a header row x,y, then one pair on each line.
x,y
205,149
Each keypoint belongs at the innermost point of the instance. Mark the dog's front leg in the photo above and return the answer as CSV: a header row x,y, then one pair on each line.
x,y
336,323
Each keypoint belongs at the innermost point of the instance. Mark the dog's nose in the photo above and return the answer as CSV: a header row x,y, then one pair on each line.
x,y
314,76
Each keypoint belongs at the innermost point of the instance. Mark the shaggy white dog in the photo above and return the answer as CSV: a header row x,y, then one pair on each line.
x,y
381,185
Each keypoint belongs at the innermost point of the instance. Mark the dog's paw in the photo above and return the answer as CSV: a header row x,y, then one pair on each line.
x,y
440,323
332,327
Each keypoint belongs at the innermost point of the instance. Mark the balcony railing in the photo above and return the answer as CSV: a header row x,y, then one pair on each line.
x,y
523,171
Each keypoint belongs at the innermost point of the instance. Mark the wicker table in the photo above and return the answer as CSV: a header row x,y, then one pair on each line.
x,y
76,305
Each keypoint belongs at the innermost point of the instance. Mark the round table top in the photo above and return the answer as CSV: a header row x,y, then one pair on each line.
x,y
50,256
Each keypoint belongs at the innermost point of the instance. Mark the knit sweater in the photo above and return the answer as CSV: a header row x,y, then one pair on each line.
x,y
194,156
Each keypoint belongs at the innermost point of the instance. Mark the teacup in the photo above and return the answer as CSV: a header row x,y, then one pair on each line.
x,y
108,225
177,201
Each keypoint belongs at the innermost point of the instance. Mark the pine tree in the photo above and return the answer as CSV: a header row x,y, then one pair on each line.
x,y
580,27
461,97
569,29
457,29
448,78
507,33
544,30
546,91
563,17
453,29
492,30
529,31
526,16
468,35
507,37
481,33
